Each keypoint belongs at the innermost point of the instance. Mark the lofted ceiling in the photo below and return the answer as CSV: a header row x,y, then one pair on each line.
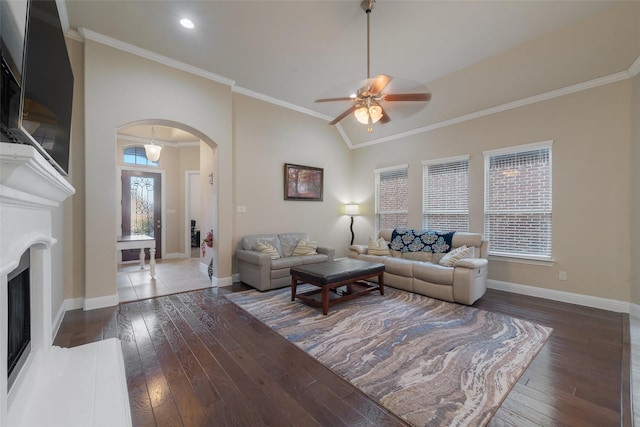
x,y
293,52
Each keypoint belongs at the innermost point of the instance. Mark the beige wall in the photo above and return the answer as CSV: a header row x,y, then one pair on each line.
x,y
265,138
121,89
635,191
592,131
591,175
74,214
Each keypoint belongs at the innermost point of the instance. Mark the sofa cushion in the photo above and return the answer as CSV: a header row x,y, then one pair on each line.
x,y
378,247
399,266
312,259
418,256
289,241
305,247
466,239
267,248
249,242
433,273
287,262
449,259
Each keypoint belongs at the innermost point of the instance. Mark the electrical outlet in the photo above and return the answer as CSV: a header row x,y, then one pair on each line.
x,y
562,275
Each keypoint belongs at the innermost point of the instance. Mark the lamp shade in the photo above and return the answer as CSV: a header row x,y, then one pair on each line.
x,y
352,210
152,152
362,114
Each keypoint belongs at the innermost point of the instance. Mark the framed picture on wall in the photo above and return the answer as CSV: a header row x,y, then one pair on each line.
x,y
303,182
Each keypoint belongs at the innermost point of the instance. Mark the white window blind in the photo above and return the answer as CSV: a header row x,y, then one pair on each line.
x,y
392,197
518,214
445,194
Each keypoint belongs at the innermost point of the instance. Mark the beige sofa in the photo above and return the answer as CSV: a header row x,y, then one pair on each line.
x,y
263,272
420,272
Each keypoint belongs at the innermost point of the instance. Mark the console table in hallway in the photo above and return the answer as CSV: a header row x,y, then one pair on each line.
x,y
140,241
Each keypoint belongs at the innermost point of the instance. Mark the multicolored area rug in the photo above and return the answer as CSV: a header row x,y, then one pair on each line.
x,y
430,362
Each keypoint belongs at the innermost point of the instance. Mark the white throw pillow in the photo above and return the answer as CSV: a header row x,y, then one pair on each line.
x,y
267,248
378,247
457,254
305,247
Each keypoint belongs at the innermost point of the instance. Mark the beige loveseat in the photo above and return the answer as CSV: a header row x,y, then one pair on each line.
x,y
421,272
266,271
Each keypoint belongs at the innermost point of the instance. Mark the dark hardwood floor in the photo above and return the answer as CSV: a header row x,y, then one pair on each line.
x,y
195,359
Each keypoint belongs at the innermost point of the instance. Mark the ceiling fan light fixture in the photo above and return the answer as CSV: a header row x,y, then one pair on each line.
x,y
363,113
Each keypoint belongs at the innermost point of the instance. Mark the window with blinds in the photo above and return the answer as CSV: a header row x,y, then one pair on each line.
x,y
517,213
136,155
445,194
392,197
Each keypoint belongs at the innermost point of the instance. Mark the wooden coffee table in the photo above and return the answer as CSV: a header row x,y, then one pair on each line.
x,y
338,281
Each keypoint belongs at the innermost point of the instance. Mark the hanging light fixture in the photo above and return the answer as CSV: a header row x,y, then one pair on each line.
x,y
152,150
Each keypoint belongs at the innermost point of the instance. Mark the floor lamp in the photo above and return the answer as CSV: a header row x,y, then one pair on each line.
x,y
352,210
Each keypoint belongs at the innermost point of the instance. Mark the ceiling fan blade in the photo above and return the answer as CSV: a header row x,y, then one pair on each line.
x,y
343,115
407,97
379,82
344,98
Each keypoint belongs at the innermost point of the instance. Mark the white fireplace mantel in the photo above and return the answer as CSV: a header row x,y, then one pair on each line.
x,y
79,386
29,188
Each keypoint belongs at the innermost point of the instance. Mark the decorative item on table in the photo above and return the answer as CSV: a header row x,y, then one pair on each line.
x,y
208,241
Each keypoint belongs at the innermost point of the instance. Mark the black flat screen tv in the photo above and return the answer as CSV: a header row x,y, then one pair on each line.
x,y
37,89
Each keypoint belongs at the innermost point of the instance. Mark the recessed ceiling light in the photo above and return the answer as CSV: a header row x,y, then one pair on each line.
x,y
187,23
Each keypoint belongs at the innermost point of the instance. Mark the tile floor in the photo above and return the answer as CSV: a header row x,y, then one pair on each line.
x,y
172,276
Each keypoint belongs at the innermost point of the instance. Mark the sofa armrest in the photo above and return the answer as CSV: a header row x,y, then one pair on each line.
x,y
253,257
329,252
472,263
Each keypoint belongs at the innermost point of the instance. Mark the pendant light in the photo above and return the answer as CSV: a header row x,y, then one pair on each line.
x,y
152,150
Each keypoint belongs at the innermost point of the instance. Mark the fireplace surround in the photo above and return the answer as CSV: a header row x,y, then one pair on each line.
x,y
29,189
77,386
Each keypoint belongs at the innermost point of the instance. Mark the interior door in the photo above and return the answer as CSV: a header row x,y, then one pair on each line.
x,y
141,209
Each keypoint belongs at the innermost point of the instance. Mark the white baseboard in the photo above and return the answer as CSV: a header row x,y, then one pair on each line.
x,y
176,255
635,311
568,297
67,305
101,302
223,281
236,277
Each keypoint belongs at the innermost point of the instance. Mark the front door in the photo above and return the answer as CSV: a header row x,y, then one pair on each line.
x,y
141,209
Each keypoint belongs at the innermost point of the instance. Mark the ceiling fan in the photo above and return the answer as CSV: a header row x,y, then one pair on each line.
x,y
367,103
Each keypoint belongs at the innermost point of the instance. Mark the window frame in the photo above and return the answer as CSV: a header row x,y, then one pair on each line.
x,y
137,147
488,155
425,195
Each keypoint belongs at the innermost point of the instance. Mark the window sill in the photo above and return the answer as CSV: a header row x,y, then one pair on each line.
x,y
522,260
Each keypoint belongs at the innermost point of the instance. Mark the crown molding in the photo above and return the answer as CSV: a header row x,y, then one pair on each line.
x,y
601,81
85,33
163,143
275,101
635,67
147,54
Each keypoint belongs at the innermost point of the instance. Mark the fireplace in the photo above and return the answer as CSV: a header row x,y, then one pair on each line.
x,y
30,189
19,318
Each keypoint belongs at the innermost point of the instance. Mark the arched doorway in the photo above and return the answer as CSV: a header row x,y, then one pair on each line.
x,y
179,183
